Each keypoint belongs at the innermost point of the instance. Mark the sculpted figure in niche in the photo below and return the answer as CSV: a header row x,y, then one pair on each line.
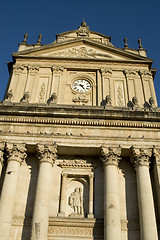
x,y
76,201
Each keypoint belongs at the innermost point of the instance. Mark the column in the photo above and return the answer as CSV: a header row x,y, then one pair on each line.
x,y
91,215
112,223
1,156
141,160
156,174
63,196
16,154
40,219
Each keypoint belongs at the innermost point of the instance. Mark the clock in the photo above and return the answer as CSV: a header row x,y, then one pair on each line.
x,y
81,85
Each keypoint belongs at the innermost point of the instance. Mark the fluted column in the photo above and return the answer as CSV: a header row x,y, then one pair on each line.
x,y
63,196
141,160
112,223
91,215
16,154
47,157
1,156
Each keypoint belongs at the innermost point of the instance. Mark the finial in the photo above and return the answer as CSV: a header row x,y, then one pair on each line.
x,y
125,43
140,44
25,38
39,38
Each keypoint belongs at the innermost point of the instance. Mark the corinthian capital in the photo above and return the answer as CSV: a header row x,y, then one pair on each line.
x,y
110,155
140,156
16,152
47,153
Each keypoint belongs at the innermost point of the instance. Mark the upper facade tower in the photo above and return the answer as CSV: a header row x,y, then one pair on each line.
x,y
81,67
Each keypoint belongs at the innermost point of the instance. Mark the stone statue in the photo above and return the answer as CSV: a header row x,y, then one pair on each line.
x,y
76,201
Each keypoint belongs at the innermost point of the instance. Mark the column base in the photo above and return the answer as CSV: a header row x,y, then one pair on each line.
x,y
61,214
90,215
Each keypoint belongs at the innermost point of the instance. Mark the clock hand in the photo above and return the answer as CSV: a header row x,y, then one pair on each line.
x,y
82,86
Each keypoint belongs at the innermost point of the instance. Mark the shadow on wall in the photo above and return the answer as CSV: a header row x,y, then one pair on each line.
x,y
33,167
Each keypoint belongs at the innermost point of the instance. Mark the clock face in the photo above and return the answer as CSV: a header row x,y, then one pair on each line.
x,y
81,85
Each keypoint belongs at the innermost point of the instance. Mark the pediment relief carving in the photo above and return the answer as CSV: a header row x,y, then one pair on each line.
x,y
81,52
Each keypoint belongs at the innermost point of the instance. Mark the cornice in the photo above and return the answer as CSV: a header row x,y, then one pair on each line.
x,y
78,115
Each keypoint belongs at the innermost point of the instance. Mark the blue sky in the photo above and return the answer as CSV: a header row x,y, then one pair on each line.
x,y
118,19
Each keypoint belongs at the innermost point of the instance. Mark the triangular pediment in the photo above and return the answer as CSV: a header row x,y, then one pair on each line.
x,y
81,49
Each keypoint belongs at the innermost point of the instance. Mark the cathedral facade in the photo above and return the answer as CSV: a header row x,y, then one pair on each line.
x,y
79,142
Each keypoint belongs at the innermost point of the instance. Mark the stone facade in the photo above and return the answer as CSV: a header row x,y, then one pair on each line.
x,y
80,142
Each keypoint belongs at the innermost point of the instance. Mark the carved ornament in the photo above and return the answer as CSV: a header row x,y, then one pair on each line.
x,y
81,52
106,71
110,155
129,72
81,99
33,68
83,30
140,156
120,96
71,231
145,73
26,97
9,96
57,69
47,153
53,98
18,68
75,164
42,93
16,152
